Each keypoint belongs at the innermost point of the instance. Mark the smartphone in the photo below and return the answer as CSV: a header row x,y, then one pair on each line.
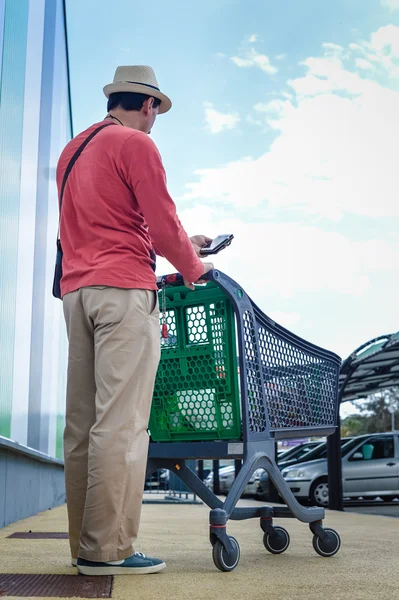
x,y
219,243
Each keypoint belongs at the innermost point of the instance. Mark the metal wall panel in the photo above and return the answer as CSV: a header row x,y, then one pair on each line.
x,y
35,125
11,124
27,216
38,419
28,485
3,469
53,368
2,9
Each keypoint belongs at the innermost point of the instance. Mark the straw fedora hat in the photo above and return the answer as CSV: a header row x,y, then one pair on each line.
x,y
139,79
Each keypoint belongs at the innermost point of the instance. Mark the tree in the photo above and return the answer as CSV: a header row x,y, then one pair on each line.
x,y
374,415
353,425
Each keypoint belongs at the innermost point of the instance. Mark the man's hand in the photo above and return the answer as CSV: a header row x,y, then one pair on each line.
x,y
198,242
207,267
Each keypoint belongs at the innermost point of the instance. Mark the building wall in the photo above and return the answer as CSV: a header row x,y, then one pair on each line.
x,y
35,124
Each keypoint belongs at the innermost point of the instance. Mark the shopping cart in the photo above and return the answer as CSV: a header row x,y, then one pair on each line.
x,y
230,383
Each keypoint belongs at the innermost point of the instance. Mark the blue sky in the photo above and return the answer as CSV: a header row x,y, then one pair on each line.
x,y
283,131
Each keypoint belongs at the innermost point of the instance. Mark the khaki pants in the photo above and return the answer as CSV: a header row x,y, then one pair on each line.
x,y
114,351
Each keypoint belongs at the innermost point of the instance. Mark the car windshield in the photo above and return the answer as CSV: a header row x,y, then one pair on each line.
x,y
312,454
304,451
320,451
298,451
350,445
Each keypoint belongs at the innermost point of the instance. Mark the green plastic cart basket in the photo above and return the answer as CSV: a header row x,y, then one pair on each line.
x,y
196,395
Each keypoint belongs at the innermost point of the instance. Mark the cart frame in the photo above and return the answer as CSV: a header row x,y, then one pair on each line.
x,y
256,448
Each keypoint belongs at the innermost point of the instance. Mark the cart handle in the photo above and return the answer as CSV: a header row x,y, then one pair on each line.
x,y
176,279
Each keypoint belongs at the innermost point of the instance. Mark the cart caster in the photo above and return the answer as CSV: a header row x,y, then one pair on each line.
x,y
276,542
327,547
223,561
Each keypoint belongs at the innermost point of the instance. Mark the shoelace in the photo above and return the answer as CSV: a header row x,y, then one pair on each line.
x,y
140,554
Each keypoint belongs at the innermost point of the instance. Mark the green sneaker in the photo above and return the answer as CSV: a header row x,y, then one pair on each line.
x,y
74,562
138,564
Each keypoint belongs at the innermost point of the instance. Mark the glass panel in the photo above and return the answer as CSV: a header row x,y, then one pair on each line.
x,y
11,122
375,449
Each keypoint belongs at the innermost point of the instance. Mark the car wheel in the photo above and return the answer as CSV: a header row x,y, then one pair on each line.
x,y
319,492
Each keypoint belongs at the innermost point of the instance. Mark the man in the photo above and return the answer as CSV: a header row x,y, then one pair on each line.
x,y
115,210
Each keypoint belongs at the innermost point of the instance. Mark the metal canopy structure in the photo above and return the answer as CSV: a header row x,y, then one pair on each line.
x,y
373,367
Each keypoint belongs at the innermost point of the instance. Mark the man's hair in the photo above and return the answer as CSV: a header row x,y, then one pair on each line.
x,y
129,101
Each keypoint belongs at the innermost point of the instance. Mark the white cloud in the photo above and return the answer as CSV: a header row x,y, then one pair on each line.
x,y
386,39
382,50
336,147
323,286
327,74
286,319
272,259
364,64
333,47
250,119
242,62
251,58
331,152
392,4
217,121
274,106
253,38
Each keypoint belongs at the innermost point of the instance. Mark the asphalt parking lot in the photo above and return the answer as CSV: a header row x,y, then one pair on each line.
x,y
390,509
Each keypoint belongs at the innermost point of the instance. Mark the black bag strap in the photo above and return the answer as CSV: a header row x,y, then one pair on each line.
x,y
70,167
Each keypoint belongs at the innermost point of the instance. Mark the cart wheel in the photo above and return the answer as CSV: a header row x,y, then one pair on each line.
x,y
278,541
329,547
221,558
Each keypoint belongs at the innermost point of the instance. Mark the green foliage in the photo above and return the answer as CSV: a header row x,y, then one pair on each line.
x,y
374,415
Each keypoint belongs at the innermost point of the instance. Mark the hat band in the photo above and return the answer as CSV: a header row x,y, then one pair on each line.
x,y
139,83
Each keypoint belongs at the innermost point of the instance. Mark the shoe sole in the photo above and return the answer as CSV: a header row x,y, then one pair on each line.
x,y
115,570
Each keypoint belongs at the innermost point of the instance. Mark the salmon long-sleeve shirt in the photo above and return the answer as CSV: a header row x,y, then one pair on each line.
x,y
116,208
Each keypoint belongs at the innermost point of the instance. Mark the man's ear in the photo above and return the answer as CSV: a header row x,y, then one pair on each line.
x,y
148,104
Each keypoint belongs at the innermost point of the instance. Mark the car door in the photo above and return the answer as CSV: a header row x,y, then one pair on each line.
x,y
373,467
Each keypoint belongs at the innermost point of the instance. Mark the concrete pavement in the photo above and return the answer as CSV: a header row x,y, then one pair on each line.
x,y
366,567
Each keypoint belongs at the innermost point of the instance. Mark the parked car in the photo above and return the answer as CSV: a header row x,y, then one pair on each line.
x,y
157,480
297,451
370,469
226,479
301,452
320,451
253,484
227,473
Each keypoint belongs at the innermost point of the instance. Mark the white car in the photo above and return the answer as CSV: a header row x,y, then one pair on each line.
x,y
226,479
